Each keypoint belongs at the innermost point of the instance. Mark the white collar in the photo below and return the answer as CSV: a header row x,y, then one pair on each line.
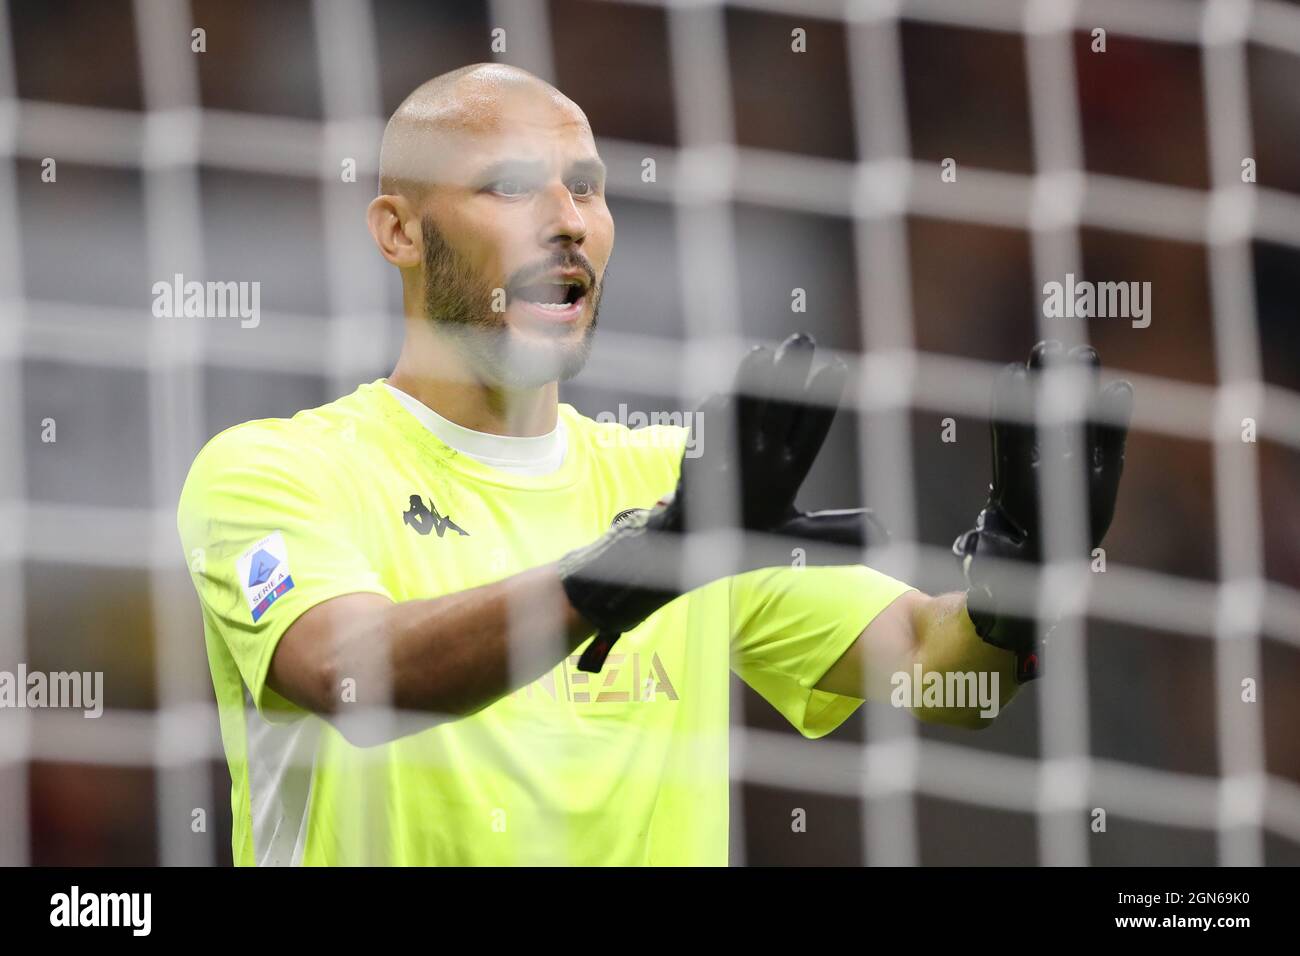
x,y
521,455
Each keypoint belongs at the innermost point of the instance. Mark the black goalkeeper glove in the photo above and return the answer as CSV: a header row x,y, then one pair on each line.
x,y
1010,526
781,414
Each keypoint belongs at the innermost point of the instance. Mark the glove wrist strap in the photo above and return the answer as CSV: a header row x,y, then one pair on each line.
x,y
1019,635
615,584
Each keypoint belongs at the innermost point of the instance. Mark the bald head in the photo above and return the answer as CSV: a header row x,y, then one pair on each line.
x,y
441,116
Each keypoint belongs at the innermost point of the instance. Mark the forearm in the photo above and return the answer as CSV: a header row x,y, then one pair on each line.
x,y
945,642
451,655
463,651
929,635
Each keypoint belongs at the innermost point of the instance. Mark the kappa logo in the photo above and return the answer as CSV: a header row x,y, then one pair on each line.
x,y
426,518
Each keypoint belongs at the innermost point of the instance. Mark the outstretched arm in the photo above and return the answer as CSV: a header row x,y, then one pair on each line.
x,y
937,634
448,656
980,632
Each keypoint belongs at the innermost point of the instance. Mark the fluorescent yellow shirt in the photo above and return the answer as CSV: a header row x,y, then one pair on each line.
x,y
624,767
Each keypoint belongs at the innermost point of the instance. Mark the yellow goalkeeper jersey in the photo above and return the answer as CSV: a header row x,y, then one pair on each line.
x,y
628,766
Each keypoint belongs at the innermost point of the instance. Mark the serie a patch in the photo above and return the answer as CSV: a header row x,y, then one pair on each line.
x,y
264,573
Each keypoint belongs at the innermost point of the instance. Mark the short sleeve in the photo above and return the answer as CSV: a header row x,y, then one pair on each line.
x,y
265,543
789,625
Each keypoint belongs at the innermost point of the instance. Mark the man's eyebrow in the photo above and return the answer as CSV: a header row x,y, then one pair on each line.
x,y
510,167
592,168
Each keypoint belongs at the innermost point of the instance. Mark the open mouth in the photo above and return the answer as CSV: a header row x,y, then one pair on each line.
x,y
558,297
552,295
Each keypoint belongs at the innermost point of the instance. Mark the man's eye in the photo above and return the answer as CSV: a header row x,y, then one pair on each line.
x,y
581,187
507,187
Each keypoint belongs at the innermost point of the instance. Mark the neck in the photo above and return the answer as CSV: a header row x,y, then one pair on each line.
x,y
433,371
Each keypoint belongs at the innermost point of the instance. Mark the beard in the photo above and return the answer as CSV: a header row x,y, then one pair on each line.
x,y
459,303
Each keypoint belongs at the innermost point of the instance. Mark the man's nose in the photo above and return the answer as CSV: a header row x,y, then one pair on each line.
x,y
563,223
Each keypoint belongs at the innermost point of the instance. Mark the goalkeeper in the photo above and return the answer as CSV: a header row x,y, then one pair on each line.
x,y
450,620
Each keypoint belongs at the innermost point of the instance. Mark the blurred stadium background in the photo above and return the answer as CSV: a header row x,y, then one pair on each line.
x,y
775,170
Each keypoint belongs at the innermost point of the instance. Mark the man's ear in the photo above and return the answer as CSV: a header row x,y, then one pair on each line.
x,y
396,230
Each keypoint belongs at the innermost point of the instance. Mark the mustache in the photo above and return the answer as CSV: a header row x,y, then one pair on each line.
x,y
573,259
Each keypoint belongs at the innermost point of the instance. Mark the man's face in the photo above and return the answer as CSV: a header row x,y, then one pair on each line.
x,y
517,237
